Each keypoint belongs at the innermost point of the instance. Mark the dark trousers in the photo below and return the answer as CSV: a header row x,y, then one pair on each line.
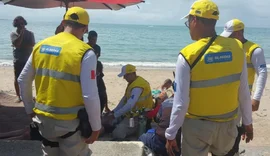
x,y
153,141
18,67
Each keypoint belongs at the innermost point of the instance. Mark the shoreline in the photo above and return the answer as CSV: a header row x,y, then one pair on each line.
x,y
118,65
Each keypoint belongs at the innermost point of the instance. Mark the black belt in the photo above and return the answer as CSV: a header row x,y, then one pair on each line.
x,y
84,127
35,135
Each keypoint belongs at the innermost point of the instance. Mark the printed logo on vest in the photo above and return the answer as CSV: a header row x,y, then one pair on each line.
x,y
220,57
52,50
263,66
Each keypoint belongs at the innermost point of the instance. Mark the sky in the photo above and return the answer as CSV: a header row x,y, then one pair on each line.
x,y
254,13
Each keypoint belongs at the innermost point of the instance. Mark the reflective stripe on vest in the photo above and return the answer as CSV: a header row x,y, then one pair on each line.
x,y
218,117
57,110
57,74
250,65
215,82
144,97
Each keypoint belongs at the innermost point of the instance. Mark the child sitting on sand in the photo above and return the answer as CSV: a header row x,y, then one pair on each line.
x,y
165,88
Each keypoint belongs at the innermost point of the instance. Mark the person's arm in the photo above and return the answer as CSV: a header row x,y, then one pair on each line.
x,y
135,94
181,97
25,83
33,39
90,90
245,104
13,37
258,61
244,97
104,92
17,38
120,105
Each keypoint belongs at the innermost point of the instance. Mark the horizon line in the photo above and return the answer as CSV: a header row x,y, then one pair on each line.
x,y
146,24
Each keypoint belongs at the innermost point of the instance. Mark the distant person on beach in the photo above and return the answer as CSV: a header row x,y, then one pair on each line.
x,y
65,81
100,82
137,97
23,41
102,88
92,38
210,85
97,50
92,41
255,65
60,28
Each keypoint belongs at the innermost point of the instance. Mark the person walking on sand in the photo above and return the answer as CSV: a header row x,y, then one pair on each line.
x,y
23,41
255,65
210,85
64,70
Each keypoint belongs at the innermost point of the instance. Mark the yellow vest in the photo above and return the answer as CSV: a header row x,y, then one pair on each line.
x,y
145,100
249,48
215,79
57,62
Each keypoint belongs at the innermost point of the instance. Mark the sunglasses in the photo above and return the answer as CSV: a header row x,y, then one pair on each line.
x,y
187,23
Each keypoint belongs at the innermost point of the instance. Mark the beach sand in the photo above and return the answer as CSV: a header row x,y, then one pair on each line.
x,y
116,88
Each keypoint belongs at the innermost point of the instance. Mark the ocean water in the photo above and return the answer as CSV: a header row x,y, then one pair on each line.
x,y
141,45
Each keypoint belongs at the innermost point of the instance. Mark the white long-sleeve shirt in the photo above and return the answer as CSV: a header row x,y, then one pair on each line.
x,y
88,85
123,108
258,62
181,97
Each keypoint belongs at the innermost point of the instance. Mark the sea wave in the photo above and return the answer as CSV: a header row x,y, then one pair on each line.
x,y
142,64
158,65
6,63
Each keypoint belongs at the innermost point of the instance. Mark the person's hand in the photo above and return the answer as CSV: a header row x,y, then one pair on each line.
x,y
255,105
93,137
22,31
171,145
248,134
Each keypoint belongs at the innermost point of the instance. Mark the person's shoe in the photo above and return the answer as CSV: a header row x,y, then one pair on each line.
x,y
18,100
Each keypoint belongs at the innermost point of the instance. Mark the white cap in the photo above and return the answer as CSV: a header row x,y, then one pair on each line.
x,y
232,26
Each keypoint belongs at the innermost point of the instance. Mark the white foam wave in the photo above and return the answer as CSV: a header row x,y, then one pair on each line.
x,y
6,63
142,64
9,63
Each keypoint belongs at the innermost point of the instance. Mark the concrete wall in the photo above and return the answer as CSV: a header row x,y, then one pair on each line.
x,y
99,148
